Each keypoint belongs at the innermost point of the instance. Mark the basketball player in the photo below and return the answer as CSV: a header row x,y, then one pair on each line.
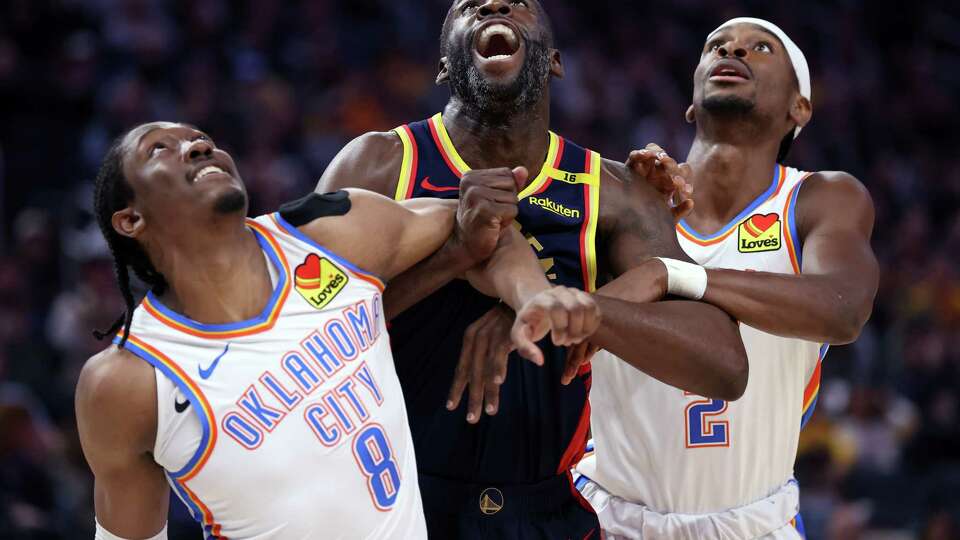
x,y
784,251
271,333
507,476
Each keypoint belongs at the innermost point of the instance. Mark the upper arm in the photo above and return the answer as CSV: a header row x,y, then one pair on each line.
x,y
384,236
635,223
116,410
371,161
835,218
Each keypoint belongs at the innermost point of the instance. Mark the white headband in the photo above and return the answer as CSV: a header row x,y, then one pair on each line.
x,y
797,58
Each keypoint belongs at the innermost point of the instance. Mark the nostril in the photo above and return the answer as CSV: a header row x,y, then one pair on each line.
x,y
504,10
721,51
740,53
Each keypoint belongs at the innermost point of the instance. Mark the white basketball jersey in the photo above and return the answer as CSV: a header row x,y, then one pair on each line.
x,y
292,424
675,452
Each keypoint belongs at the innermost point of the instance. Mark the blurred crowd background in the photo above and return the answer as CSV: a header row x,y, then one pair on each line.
x,y
285,84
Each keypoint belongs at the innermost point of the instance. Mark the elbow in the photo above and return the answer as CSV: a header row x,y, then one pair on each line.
x,y
736,373
846,328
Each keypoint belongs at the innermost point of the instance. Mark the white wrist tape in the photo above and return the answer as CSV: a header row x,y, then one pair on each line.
x,y
103,534
684,279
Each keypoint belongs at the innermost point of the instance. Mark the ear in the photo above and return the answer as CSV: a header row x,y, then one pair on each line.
x,y
556,64
128,222
690,116
444,75
801,111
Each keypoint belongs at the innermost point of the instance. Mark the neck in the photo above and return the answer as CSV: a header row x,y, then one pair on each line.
x,y
216,276
730,168
522,141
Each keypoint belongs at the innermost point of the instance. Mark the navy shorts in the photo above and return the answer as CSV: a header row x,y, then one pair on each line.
x,y
548,510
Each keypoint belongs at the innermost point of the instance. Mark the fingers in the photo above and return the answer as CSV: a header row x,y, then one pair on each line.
x,y
496,373
520,176
577,356
682,210
482,367
475,391
461,374
656,166
522,337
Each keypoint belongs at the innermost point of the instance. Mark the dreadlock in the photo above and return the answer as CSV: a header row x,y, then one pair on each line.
x,y
111,194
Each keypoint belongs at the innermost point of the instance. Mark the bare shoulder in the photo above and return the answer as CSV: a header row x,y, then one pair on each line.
x,y
833,197
116,401
371,161
835,183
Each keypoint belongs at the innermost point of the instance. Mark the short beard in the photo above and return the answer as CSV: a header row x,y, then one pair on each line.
x,y
230,203
728,105
495,104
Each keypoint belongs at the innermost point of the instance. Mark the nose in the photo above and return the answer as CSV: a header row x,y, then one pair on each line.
x,y
493,7
198,150
724,51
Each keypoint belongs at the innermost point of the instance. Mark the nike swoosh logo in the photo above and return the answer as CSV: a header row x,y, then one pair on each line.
x,y
180,407
425,184
206,373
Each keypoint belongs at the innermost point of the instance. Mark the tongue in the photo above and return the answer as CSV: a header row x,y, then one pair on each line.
x,y
497,46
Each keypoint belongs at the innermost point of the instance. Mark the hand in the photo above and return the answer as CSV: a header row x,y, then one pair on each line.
x,y
483,363
488,203
655,166
646,282
570,316
577,356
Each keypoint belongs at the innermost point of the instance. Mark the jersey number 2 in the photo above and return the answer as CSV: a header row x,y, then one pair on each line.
x,y
704,430
373,453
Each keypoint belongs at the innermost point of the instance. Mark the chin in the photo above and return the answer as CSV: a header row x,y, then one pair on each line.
x,y
728,103
231,202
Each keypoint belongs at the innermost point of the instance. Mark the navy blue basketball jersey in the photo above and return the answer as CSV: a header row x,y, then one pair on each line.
x,y
541,428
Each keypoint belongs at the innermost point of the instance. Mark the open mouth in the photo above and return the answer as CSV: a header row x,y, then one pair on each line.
x,y
498,42
208,171
730,71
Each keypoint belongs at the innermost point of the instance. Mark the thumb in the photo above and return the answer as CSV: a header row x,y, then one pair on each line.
x,y
521,337
520,176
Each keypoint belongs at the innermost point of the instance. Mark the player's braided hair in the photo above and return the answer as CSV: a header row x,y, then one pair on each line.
x,y
113,193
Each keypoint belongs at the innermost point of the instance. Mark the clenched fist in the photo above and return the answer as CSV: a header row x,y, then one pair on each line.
x,y
488,204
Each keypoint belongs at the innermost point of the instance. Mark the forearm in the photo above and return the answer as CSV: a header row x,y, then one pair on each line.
x,y
425,278
667,340
822,308
512,273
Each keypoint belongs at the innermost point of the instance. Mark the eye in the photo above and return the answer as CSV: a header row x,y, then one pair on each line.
x,y
763,47
157,146
519,3
468,7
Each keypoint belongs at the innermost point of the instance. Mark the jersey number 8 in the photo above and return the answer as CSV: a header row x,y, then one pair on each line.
x,y
373,453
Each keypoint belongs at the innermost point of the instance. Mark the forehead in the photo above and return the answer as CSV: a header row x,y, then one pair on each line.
x,y
745,30
139,134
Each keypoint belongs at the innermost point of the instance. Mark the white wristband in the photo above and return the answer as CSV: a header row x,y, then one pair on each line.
x,y
684,279
104,534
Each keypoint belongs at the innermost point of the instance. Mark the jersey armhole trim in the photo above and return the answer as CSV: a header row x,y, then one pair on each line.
x,y
360,273
204,412
408,168
588,235
794,245
812,391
